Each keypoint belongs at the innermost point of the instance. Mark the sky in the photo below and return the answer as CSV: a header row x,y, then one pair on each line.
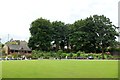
x,y
17,15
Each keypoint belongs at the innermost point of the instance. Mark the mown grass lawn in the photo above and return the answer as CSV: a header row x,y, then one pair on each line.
x,y
60,69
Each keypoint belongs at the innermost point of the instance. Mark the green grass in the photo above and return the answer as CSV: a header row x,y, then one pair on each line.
x,y
59,69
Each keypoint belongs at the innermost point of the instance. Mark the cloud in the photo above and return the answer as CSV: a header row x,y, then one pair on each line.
x,y
17,15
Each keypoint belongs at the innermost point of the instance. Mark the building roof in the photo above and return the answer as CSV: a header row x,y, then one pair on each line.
x,y
21,46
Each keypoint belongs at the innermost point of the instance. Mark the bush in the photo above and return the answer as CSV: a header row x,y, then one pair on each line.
x,y
28,56
14,55
35,56
36,52
105,56
3,52
63,55
3,57
78,53
9,56
75,56
19,55
100,56
96,56
69,55
46,57
115,49
58,54
60,51
83,55
110,57
41,55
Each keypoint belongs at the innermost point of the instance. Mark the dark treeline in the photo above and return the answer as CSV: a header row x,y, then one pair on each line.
x,y
93,34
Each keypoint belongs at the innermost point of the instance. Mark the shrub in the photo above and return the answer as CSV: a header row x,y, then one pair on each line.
x,y
110,57
28,56
115,49
60,51
96,56
53,54
63,55
58,54
78,53
9,56
3,56
19,55
46,57
14,55
105,56
100,56
35,56
3,52
71,55
83,55
75,56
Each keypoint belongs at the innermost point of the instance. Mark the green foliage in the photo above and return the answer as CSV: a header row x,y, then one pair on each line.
x,y
75,56
35,56
28,56
92,34
96,56
63,55
70,55
3,52
100,56
83,55
9,56
59,53
60,32
46,56
2,56
15,55
115,49
78,53
40,35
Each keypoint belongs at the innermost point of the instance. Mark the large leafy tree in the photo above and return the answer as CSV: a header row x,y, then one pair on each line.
x,y
60,33
103,31
77,36
41,32
93,34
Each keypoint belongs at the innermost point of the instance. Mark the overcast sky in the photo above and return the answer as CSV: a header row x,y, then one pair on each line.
x,y
17,15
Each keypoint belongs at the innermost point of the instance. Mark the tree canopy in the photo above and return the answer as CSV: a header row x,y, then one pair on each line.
x,y
41,32
92,34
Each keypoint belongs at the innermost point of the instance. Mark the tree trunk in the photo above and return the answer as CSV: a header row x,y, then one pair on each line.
x,y
103,53
68,46
57,45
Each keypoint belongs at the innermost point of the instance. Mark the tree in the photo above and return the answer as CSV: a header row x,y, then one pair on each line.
x,y
93,33
107,32
60,32
101,32
77,36
41,32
